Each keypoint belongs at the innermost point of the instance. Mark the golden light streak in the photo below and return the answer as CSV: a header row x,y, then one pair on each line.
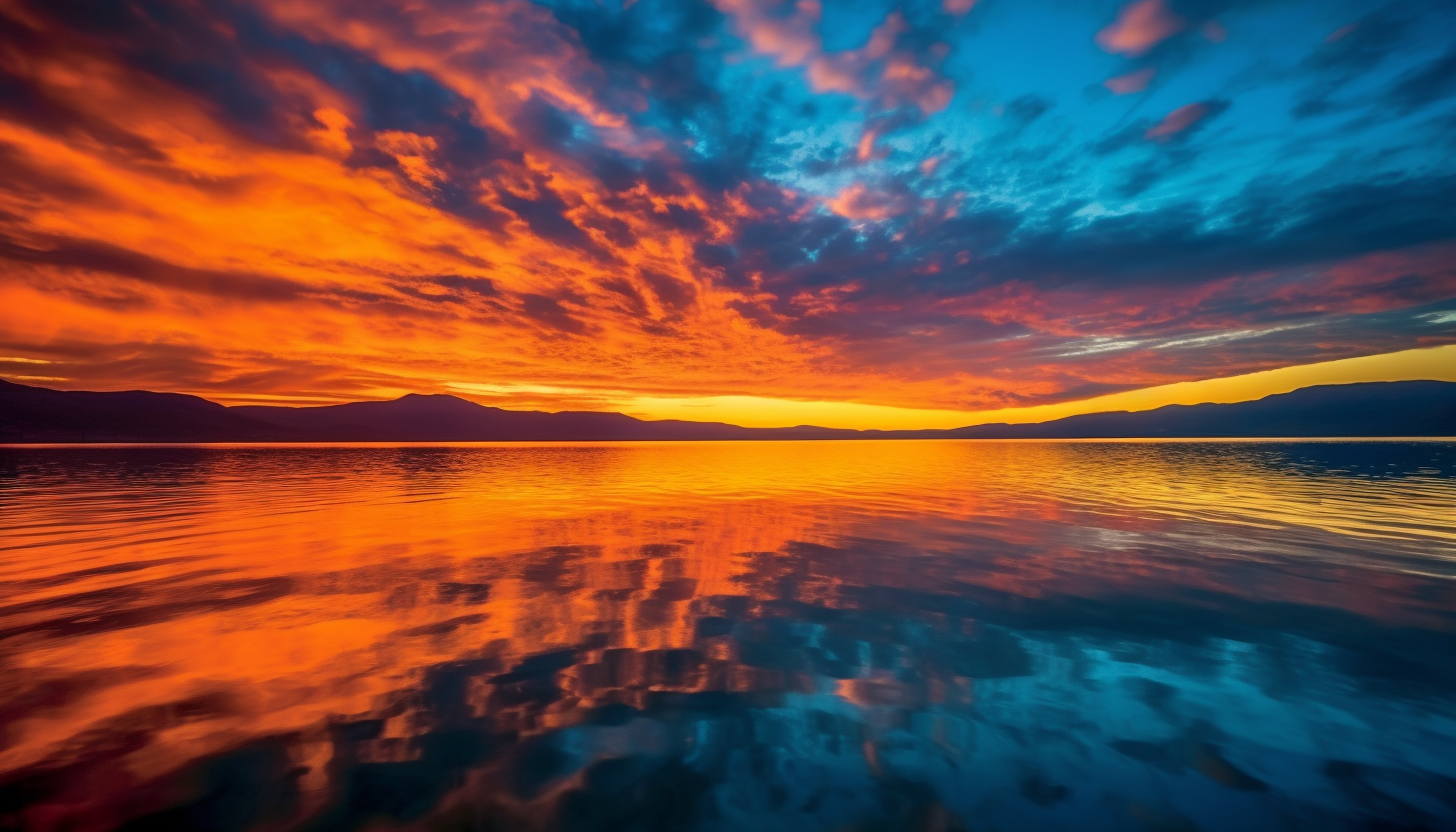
x,y
762,412
1436,364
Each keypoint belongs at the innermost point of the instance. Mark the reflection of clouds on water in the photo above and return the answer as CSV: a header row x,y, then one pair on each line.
x,y
1004,659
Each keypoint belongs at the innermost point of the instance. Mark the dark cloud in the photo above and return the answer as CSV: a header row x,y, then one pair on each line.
x,y
672,293
212,53
138,364
1349,54
545,213
23,102
1026,109
544,125
887,302
550,312
96,256
1436,81
481,286
715,256
642,46
451,288
632,299
33,185
1270,226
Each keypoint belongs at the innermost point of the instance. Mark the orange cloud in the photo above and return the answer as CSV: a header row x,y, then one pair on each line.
x,y
413,153
1140,26
878,70
259,256
1132,82
858,202
1177,121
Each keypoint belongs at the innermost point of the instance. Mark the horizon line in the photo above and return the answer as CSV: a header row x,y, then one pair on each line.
x,y
1420,364
518,443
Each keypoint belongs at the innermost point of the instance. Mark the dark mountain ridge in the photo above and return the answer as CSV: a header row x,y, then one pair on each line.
x,y
441,418
39,414
1382,408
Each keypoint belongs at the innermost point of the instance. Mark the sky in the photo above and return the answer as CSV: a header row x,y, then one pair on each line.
x,y
860,214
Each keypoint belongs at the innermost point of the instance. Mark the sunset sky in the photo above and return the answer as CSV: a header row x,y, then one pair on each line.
x,y
859,214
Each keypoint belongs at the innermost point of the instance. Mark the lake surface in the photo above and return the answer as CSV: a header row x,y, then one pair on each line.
x,y
723,636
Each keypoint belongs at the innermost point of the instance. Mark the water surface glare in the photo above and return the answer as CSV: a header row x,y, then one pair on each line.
x,y
730,636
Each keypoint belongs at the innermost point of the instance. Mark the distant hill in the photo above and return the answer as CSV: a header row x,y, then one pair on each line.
x,y
1385,408
417,418
38,414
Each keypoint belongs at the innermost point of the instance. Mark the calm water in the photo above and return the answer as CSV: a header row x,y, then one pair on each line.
x,y
775,636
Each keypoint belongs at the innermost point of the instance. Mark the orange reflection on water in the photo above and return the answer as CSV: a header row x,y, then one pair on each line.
x,y
167,604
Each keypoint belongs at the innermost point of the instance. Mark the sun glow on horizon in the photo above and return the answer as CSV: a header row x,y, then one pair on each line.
x,y
1434,364
1425,364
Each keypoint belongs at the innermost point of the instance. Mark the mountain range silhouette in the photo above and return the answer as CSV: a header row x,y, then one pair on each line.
x,y
41,415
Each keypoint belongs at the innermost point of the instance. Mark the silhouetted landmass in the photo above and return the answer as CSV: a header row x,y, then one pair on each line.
x,y
438,418
38,414
1386,408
